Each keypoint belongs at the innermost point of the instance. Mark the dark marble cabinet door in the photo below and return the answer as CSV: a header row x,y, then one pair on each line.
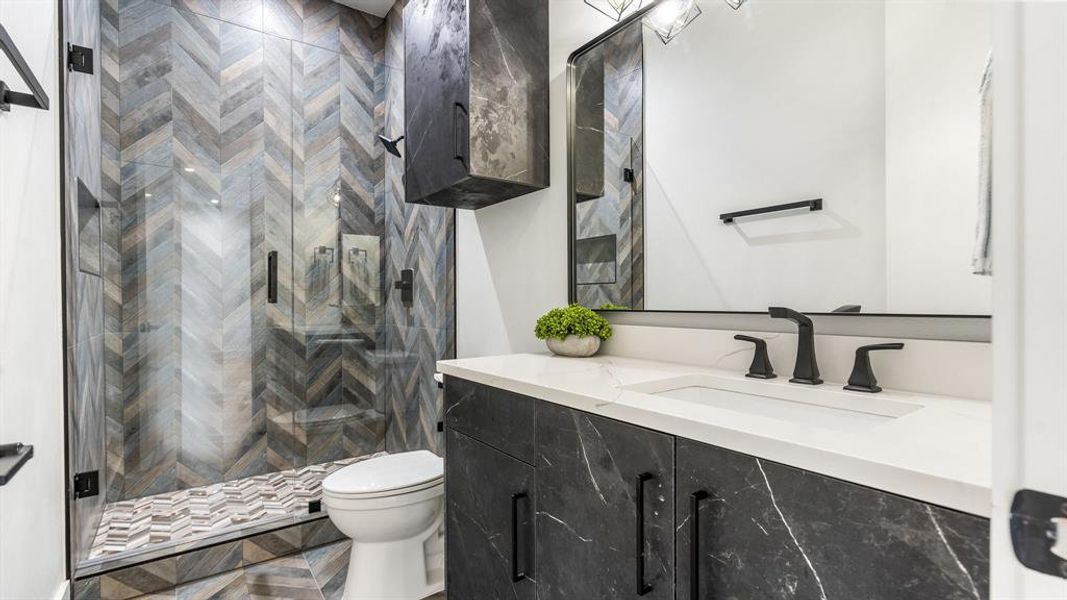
x,y
768,530
481,485
587,508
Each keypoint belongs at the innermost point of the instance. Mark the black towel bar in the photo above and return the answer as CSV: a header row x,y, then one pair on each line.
x,y
12,457
811,205
36,99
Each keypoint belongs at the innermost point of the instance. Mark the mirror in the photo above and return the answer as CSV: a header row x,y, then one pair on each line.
x,y
869,121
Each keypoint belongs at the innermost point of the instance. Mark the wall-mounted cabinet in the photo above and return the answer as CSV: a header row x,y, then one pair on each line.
x,y
476,101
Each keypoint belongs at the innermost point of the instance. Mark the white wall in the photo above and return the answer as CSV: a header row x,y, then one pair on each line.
x,y
935,56
32,511
511,258
782,102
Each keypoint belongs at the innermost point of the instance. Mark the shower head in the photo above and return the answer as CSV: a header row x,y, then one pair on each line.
x,y
390,145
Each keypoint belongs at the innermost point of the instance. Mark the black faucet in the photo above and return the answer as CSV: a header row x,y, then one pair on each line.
x,y
806,370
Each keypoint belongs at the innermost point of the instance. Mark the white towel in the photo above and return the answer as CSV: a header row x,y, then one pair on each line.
x,y
982,258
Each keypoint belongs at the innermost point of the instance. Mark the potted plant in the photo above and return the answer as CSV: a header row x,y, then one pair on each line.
x,y
572,330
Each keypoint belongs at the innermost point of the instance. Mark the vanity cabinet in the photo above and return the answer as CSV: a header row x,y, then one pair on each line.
x,y
475,101
559,504
767,530
605,508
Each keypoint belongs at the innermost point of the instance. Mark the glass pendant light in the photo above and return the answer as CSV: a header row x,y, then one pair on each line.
x,y
671,17
615,9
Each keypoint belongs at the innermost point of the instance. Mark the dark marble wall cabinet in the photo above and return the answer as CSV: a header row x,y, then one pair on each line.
x,y
476,101
558,504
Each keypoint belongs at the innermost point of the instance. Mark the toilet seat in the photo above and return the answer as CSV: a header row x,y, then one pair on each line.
x,y
386,476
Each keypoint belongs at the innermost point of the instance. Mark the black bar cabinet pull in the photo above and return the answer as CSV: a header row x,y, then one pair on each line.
x,y
37,98
516,574
811,205
459,132
272,277
694,542
639,551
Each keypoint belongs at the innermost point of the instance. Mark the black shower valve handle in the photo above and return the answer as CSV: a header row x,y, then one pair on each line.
x,y
862,378
761,367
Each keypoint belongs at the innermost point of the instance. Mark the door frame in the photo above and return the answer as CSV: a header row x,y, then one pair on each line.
x,y
1030,281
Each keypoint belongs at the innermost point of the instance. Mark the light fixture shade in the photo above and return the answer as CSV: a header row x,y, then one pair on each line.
x,y
735,4
615,9
671,17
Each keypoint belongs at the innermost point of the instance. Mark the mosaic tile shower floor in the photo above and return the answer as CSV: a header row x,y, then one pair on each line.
x,y
193,513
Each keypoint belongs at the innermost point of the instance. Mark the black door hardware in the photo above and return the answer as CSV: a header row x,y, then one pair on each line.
x,y
390,145
272,277
1039,531
694,542
639,550
79,59
12,457
517,574
460,133
36,98
806,370
761,362
811,205
86,484
406,285
628,175
862,378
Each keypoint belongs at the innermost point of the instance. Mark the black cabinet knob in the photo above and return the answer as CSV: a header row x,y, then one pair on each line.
x,y
862,378
761,362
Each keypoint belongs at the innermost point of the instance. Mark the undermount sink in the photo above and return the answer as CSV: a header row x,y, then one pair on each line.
x,y
825,406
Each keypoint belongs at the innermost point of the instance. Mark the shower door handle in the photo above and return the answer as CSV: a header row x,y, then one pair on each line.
x,y
272,277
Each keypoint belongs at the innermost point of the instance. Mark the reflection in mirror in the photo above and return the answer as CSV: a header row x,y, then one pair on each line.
x,y
878,109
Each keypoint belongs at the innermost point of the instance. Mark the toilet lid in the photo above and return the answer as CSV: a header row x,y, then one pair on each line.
x,y
385,473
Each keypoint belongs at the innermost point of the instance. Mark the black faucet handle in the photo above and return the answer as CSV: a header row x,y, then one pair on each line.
x,y
862,378
761,362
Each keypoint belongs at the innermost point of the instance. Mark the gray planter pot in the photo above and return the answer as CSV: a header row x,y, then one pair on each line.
x,y
578,347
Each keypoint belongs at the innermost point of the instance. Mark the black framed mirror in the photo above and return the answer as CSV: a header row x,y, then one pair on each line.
x,y
827,156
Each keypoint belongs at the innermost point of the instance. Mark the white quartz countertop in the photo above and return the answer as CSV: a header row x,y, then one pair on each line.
x,y
938,452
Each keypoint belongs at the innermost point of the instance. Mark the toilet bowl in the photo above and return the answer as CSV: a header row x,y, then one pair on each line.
x,y
392,507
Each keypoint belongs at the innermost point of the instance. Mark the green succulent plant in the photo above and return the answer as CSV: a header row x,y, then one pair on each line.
x,y
575,319
610,306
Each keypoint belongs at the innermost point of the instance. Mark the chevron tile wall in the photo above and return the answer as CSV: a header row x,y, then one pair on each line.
x,y
228,129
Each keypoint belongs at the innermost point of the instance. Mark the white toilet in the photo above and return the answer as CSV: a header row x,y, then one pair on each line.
x,y
393,509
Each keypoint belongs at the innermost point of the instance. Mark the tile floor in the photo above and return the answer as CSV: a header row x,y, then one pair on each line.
x,y
316,574
194,513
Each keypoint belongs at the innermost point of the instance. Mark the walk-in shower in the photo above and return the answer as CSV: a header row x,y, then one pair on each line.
x,y
234,229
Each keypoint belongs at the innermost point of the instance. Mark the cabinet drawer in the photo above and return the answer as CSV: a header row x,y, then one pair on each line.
x,y
490,500
501,419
